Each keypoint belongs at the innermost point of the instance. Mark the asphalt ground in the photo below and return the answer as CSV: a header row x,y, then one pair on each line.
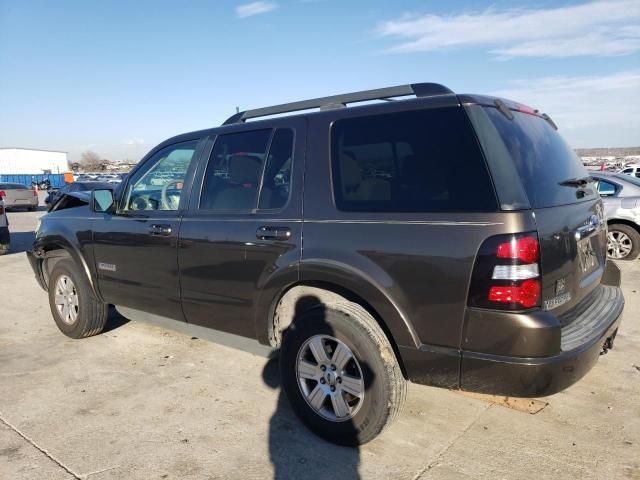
x,y
142,401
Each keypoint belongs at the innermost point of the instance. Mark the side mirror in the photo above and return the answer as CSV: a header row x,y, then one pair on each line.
x,y
102,201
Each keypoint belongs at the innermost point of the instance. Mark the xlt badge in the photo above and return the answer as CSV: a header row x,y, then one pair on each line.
x,y
110,267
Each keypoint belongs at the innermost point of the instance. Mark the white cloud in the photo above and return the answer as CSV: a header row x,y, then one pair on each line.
x,y
134,141
598,28
591,111
254,8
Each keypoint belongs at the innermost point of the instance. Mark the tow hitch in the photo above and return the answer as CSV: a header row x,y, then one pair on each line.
x,y
608,344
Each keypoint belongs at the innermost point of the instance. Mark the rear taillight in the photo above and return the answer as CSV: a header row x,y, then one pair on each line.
x,y
35,193
2,194
506,274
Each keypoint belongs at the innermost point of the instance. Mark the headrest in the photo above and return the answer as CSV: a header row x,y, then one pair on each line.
x,y
244,169
351,173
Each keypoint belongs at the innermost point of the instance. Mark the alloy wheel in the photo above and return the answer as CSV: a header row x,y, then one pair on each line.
x,y
330,378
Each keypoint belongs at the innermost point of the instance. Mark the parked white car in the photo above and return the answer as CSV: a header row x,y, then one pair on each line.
x,y
17,195
633,170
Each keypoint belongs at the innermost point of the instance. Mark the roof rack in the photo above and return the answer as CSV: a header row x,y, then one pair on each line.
x,y
338,101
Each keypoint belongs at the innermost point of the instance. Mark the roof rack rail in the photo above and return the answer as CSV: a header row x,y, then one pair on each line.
x,y
338,101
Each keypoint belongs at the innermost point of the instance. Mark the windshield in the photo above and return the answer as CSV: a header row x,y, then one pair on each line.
x,y
551,172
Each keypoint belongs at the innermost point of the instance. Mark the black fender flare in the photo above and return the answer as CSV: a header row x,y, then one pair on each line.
x,y
47,245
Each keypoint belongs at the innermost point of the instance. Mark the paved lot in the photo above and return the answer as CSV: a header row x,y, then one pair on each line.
x,y
143,402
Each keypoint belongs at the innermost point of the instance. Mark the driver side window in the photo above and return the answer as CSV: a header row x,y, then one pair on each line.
x,y
158,184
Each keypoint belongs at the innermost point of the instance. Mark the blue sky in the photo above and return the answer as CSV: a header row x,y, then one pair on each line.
x,y
119,77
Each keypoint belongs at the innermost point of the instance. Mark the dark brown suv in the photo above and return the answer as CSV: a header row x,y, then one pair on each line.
x,y
449,240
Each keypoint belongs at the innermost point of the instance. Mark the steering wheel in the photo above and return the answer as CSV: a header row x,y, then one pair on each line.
x,y
164,200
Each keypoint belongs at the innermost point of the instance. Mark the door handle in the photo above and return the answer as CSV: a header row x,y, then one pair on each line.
x,y
160,230
273,233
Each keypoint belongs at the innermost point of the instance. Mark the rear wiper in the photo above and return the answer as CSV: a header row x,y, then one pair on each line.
x,y
576,182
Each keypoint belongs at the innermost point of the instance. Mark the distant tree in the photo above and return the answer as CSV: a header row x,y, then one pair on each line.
x,y
90,161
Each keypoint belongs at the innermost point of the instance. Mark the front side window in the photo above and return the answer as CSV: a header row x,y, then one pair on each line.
x,y
414,161
158,184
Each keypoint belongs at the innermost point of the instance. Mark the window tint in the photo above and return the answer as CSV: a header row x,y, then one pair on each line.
x,y
13,186
627,170
606,188
542,158
277,175
233,174
158,184
416,161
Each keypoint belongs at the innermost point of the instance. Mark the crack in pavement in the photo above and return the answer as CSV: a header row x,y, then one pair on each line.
x,y
42,450
446,448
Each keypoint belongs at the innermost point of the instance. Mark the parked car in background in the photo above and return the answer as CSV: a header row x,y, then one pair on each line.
x,y
87,186
17,195
632,170
4,230
621,196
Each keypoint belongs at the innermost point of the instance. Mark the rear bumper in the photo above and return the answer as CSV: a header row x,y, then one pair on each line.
x,y
589,332
31,202
583,335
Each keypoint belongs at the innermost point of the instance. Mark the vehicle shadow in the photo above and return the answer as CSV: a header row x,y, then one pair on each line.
x,y
20,241
295,451
114,320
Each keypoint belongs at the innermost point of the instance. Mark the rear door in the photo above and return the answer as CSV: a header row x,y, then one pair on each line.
x,y
566,206
244,224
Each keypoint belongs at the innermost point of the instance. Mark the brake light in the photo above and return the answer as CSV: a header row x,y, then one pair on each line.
x,y
506,274
2,194
525,249
526,294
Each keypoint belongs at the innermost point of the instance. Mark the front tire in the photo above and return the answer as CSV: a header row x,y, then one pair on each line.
x,y
623,242
75,310
341,374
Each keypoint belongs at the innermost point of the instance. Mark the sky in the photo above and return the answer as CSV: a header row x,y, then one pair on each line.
x,y
119,77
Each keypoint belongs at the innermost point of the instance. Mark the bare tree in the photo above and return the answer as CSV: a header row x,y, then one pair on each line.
x,y
90,161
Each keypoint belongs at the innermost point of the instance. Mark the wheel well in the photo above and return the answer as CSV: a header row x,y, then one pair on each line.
x,y
284,309
628,223
53,256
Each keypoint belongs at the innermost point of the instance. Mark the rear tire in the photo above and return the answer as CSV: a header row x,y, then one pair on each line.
x,y
75,310
623,242
318,392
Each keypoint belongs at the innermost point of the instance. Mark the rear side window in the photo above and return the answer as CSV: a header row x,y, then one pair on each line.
x,y
415,161
543,160
13,186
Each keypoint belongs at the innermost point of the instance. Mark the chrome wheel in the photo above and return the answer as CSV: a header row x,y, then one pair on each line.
x,y
66,300
619,244
330,378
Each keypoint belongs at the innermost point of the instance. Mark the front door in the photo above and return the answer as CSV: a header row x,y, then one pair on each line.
x,y
135,250
244,226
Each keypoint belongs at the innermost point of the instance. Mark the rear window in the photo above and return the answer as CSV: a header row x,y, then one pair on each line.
x,y
543,160
412,161
13,186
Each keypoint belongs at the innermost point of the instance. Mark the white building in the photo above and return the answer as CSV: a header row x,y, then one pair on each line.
x,y
32,162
